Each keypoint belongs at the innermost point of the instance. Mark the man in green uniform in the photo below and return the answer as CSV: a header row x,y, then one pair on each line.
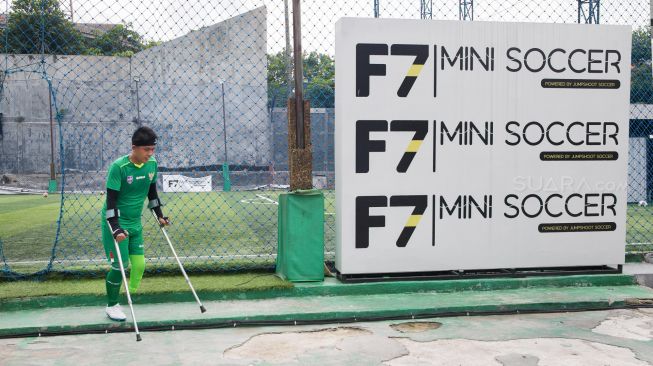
x,y
130,179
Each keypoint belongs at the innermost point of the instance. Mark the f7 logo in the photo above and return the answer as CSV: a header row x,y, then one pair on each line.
x,y
463,58
364,221
364,146
364,69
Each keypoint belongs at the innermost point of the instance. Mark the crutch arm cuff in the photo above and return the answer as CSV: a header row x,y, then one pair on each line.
x,y
112,219
112,213
154,203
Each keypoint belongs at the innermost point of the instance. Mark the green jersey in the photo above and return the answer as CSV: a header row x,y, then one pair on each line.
x,y
132,182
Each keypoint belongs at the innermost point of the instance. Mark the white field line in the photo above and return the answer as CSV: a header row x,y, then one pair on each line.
x,y
270,201
267,199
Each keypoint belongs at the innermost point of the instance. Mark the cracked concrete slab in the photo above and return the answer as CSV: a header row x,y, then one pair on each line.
x,y
632,325
563,338
517,359
289,346
339,345
549,352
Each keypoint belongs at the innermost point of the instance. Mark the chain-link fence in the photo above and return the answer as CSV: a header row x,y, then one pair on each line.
x,y
212,78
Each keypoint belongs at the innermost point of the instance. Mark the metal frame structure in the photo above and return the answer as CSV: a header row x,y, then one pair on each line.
x,y
426,9
589,11
466,10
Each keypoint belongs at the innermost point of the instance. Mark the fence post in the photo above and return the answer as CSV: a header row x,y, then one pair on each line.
x,y
300,160
52,184
300,155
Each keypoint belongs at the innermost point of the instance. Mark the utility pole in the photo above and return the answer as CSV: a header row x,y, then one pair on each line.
x,y
299,72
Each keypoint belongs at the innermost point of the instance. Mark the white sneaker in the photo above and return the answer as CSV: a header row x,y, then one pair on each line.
x,y
115,313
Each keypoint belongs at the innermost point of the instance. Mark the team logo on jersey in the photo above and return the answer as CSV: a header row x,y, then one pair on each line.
x,y
130,179
151,175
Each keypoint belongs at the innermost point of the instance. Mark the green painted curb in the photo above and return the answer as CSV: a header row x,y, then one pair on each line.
x,y
317,317
332,287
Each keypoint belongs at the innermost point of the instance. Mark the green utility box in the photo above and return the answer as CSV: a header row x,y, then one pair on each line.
x,y
226,185
52,186
300,240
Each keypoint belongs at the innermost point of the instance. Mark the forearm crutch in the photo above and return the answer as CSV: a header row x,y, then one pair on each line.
x,y
129,298
163,230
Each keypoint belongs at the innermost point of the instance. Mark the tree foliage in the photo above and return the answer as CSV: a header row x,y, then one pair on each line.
x,y
641,89
40,26
319,79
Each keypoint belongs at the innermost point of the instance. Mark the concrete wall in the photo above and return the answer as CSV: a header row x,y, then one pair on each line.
x,y
178,93
190,71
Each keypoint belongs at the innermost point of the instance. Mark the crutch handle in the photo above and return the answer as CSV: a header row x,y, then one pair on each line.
x,y
158,221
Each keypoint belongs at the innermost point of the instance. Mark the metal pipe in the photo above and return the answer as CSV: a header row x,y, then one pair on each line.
x,y
224,124
138,104
52,177
299,74
288,59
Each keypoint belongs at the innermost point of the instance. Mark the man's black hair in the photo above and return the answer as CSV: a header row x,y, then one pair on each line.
x,y
144,136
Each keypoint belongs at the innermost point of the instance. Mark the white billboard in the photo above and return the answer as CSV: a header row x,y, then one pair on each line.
x,y
182,183
480,145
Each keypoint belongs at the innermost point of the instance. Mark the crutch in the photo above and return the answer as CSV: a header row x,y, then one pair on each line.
x,y
163,230
129,298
